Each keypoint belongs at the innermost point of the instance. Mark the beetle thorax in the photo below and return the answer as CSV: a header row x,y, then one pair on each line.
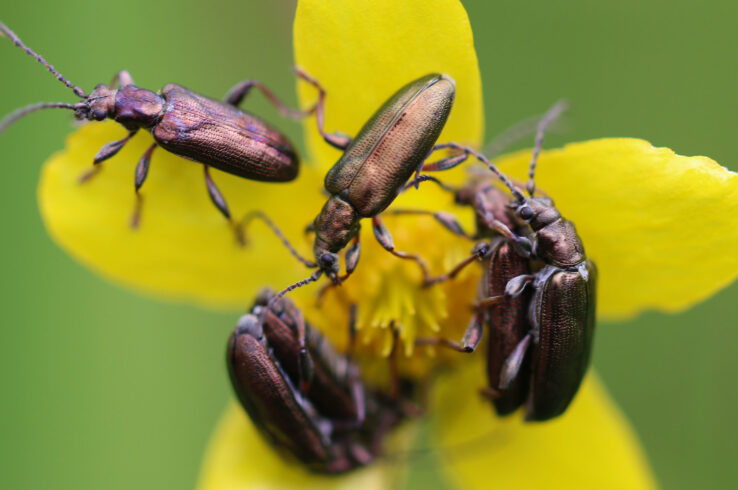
x,y
557,241
130,106
336,225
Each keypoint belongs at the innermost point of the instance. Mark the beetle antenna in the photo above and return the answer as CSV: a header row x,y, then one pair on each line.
x,y
550,116
16,40
17,114
249,217
517,132
314,277
470,151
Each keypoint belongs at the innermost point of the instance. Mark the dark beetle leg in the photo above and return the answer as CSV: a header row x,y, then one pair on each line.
x,y
513,289
249,217
466,152
447,220
446,163
479,251
121,79
469,342
393,369
105,152
305,363
512,364
385,240
336,140
239,92
217,198
142,170
415,182
357,387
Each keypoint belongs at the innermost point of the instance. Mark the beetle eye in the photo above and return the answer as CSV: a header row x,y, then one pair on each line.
x,y
327,259
525,212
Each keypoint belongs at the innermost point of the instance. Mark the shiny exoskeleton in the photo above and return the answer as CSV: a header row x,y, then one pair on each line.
x,y
316,410
374,168
214,133
538,296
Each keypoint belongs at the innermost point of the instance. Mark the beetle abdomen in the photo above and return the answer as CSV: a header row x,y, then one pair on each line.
x,y
392,144
508,325
271,401
222,136
564,310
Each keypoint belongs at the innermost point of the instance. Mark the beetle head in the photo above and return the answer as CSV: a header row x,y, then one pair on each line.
x,y
329,263
537,212
251,325
99,105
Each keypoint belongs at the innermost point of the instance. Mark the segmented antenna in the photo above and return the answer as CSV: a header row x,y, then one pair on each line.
x,y
16,40
17,114
551,115
505,180
515,133
249,217
314,277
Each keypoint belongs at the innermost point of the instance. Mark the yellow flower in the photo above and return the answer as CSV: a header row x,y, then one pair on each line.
x,y
654,222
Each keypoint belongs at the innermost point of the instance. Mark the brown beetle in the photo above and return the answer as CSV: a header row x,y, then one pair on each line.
x,y
331,425
214,133
553,319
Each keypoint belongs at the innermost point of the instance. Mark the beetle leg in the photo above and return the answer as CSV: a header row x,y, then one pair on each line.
x,y
305,367
105,152
479,251
336,140
469,342
522,244
357,387
446,162
393,369
217,198
121,79
466,151
512,364
447,220
142,170
385,240
513,289
415,182
249,217
239,92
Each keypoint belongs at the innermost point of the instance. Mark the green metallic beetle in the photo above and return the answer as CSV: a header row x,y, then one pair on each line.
x,y
375,167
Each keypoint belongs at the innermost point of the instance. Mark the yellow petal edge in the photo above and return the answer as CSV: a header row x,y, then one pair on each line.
x,y
238,457
362,52
590,446
658,225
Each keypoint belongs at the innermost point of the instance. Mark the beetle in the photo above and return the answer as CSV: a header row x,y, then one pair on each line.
x,y
373,169
324,426
540,336
214,133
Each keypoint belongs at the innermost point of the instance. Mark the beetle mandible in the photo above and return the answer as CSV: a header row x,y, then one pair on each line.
x,y
532,245
214,133
332,426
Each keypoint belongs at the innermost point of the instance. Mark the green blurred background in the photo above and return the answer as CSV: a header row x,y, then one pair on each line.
x,y
106,389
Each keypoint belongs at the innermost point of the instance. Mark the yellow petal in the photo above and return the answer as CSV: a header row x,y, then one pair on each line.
x,y
658,225
238,458
590,446
362,52
183,248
